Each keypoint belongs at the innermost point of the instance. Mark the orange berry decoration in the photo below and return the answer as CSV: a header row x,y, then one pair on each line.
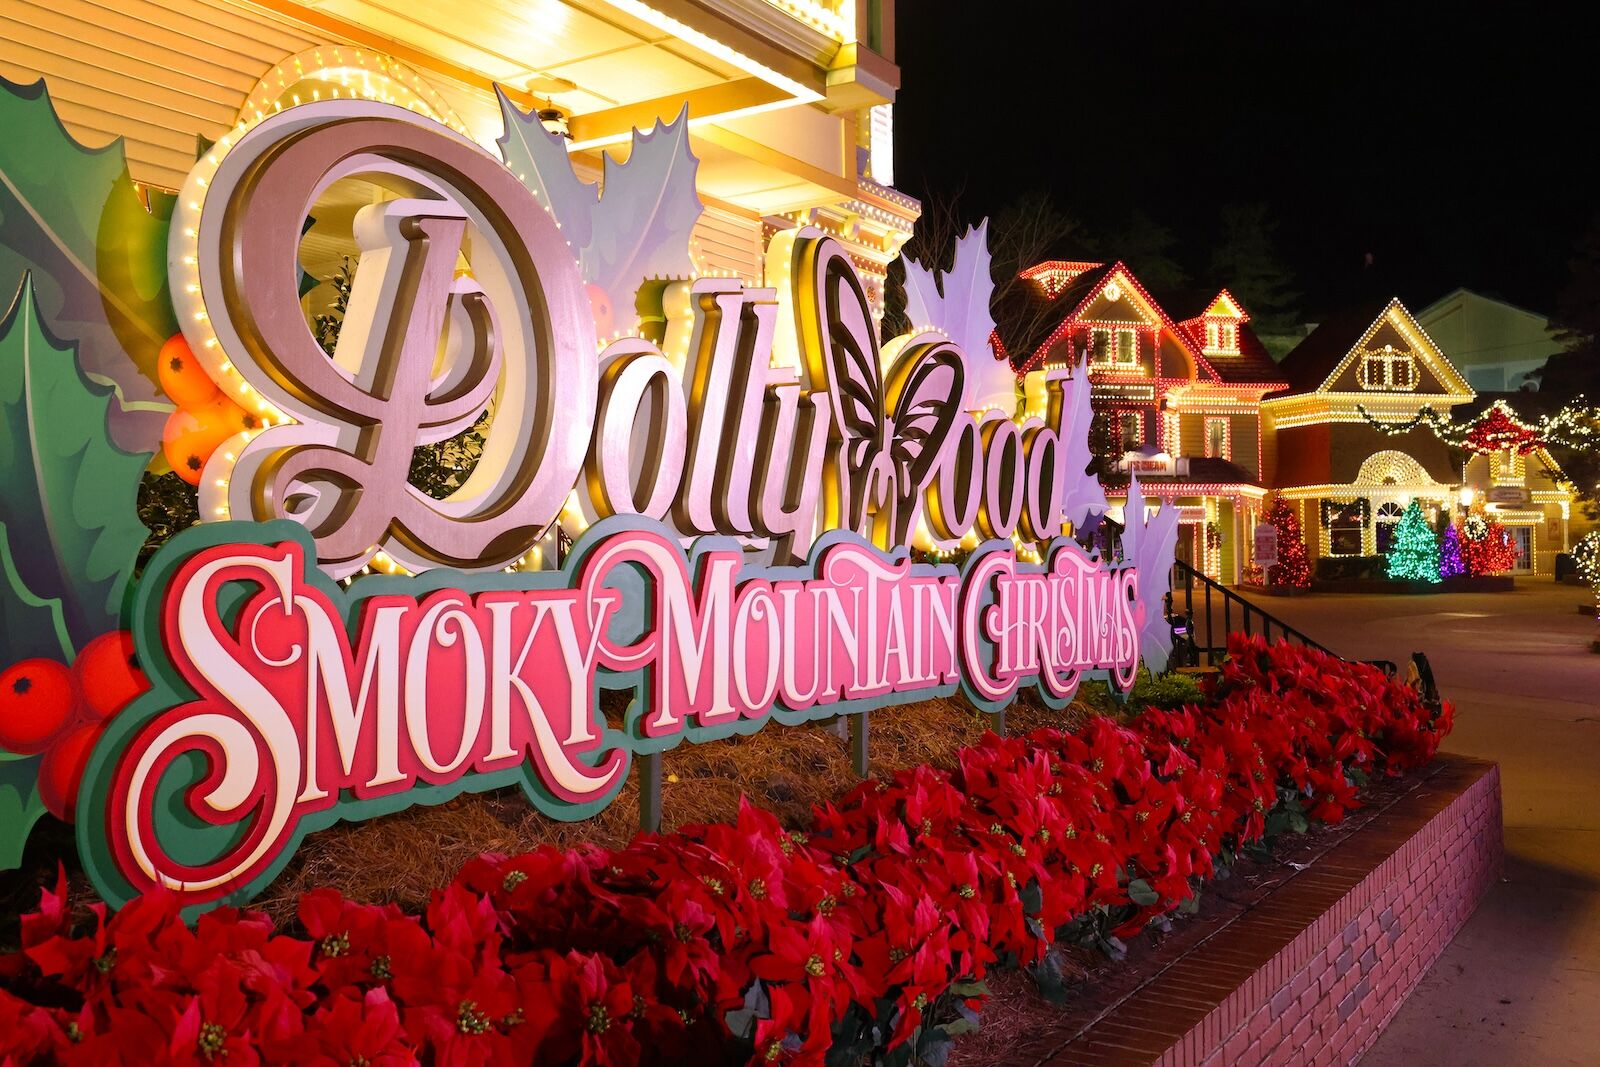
x,y
191,436
187,442
221,415
108,674
61,770
36,701
182,376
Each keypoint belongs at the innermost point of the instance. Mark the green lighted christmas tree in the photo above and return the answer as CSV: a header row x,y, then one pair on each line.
x,y
1414,556
1292,568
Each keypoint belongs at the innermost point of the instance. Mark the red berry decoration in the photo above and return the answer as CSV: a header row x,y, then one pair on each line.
x,y
61,770
108,674
36,697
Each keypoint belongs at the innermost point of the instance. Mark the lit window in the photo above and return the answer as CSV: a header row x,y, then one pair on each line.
x,y
1100,345
1388,368
1131,424
1388,517
1345,523
1222,338
1127,347
1219,442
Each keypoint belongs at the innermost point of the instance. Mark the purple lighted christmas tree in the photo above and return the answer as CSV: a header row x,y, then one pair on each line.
x,y
1451,564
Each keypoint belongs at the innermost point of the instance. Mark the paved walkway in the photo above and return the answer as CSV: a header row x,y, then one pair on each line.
x,y
1521,984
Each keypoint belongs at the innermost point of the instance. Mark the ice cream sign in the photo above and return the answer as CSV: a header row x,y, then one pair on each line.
x,y
760,493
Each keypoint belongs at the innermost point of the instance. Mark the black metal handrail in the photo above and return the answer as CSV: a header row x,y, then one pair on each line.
x,y
1252,619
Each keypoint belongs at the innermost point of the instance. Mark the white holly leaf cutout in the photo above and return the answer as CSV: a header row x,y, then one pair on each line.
x,y
648,207
1151,545
1082,496
633,227
956,302
539,159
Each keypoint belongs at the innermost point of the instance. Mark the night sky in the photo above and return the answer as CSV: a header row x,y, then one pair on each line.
x,y
1456,148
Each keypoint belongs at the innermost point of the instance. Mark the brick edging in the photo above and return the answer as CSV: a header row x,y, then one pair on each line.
x,y
1315,971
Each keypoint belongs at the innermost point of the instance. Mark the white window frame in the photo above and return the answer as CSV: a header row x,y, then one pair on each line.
x,y
1226,449
1122,432
1126,353
1378,369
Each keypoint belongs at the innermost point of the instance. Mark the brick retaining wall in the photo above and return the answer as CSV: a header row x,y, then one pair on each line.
x,y
1314,973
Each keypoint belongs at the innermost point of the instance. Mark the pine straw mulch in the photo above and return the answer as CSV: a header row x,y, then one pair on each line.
x,y
786,770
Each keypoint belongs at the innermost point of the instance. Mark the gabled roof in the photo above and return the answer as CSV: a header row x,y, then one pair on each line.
x,y
1224,306
1075,298
1318,361
1463,292
1054,275
1027,314
1253,365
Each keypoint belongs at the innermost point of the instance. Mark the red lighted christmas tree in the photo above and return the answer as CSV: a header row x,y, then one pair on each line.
x,y
1292,568
1486,547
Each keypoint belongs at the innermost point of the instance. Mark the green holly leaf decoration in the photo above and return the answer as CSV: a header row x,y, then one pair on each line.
x,y
71,217
69,527
20,807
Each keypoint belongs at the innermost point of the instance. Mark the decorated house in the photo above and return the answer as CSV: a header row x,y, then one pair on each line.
x,y
1349,443
1176,403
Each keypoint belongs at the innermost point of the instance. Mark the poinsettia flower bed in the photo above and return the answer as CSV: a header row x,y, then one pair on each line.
x,y
865,938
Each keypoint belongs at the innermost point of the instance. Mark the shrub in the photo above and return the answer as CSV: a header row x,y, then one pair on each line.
x,y
1341,568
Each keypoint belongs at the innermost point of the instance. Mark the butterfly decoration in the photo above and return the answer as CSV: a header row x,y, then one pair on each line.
x,y
956,302
889,429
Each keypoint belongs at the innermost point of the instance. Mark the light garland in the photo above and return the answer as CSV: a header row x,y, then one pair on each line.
x,y
1054,275
1499,429
1586,558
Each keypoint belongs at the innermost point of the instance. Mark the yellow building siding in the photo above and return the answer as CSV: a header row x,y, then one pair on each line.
x,y
157,74
726,242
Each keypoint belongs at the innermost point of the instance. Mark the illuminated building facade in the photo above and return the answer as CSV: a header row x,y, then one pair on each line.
x,y
1177,403
1208,421
790,102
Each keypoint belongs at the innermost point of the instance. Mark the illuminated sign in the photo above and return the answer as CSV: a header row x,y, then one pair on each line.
x,y
752,472
1510,495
